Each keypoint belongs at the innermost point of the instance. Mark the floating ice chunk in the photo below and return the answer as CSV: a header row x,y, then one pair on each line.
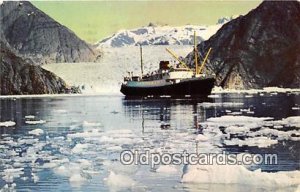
x,y
234,120
119,132
245,110
7,124
60,111
295,108
214,96
86,134
293,121
27,141
201,137
224,104
50,165
35,178
298,188
235,113
114,148
260,142
35,122
62,170
91,124
277,126
79,148
237,174
36,132
118,181
10,174
166,169
77,179
84,163
237,129
29,117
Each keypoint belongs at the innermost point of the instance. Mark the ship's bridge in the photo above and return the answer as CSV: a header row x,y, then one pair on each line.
x,y
179,73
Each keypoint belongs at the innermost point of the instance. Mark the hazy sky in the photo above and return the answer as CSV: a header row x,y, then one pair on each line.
x,y
95,20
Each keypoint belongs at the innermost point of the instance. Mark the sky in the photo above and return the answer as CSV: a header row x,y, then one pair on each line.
x,y
94,20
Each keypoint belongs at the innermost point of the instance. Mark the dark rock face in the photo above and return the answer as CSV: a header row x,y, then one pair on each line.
x,y
19,76
33,34
257,50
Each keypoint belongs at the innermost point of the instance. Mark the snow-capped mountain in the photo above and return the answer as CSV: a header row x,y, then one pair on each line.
x,y
224,20
159,35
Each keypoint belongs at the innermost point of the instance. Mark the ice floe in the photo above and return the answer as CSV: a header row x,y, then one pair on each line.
x,y
79,148
87,124
31,122
257,131
255,91
10,174
77,179
233,120
29,117
238,174
117,182
256,141
223,104
7,124
167,169
36,132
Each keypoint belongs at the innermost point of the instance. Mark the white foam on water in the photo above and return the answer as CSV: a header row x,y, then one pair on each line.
x,y
7,124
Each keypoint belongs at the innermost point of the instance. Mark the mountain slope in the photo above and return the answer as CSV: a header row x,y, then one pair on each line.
x,y
159,35
33,34
19,76
257,50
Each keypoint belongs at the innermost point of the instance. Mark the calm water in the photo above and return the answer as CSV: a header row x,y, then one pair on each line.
x,y
83,136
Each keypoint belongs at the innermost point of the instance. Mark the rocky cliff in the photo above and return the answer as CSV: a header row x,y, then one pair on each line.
x,y
33,34
257,50
19,76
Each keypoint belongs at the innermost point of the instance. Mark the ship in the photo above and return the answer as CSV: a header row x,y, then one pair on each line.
x,y
170,80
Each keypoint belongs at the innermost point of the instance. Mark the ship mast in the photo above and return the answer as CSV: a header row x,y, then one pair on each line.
x,y
176,57
195,51
203,63
141,53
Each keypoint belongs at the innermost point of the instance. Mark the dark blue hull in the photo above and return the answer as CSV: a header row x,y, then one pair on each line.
x,y
193,87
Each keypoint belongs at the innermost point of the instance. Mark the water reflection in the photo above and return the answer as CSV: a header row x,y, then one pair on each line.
x,y
168,113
